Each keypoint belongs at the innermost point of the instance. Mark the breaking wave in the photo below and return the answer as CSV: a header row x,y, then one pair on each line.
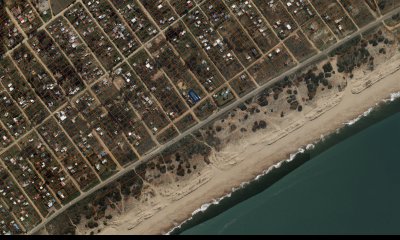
x,y
366,113
204,207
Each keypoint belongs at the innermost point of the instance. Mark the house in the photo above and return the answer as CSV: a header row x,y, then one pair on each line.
x,y
194,96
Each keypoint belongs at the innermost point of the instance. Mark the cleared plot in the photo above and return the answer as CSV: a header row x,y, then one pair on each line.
x,y
10,35
55,61
21,92
34,151
311,24
194,57
136,18
105,128
335,17
319,33
359,11
186,122
29,180
26,17
242,84
80,132
299,46
182,6
281,21
176,70
123,115
205,109
113,25
80,55
59,5
43,8
386,6
134,91
372,5
160,11
213,44
91,33
225,23
10,115
11,195
40,80
167,135
69,156
300,10
155,80
272,65
254,24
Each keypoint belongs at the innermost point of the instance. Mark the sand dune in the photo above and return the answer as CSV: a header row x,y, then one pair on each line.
x,y
237,163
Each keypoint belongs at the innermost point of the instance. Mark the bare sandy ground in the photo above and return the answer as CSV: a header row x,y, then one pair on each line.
x,y
245,159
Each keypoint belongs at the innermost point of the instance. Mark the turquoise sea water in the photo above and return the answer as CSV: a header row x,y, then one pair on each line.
x,y
349,184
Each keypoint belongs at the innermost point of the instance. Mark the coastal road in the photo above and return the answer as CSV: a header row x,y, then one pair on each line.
x,y
219,114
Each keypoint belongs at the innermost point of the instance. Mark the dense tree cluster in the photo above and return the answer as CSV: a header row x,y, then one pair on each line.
x,y
348,61
93,207
259,125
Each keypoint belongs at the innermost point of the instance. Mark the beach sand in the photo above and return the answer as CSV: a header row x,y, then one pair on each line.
x,y
243,160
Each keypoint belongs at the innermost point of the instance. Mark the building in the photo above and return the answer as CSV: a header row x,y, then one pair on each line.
x,y
194,96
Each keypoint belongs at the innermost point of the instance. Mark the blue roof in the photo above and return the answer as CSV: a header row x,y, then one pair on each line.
x,y
16,226
193,95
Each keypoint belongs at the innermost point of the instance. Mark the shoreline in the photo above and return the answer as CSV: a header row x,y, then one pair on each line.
x,y
205,206
293,156
167,219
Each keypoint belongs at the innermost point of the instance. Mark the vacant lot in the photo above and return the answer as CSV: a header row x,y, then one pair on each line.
x,y
300,46
58,5
359,11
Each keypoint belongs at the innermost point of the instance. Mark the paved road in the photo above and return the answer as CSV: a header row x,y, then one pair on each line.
x,y
218,114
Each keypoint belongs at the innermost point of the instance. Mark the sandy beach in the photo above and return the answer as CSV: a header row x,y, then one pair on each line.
x,y
266,129
246,158
124,117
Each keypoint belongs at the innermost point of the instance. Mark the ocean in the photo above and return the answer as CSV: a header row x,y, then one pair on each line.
x,y
349,183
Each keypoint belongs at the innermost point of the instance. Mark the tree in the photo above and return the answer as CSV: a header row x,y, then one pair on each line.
x,y
299,108
325,82
255,126
262,124
327,67
92,224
